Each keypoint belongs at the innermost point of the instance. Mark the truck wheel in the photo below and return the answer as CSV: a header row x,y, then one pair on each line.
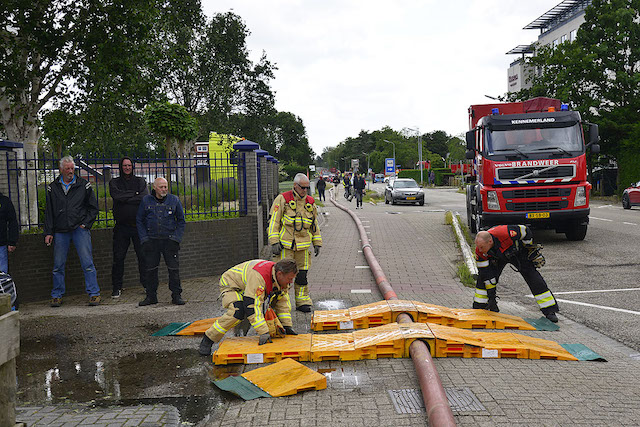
x,y
576,232
625,202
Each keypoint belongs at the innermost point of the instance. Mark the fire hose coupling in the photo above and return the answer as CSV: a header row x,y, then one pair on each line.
x,y
367,245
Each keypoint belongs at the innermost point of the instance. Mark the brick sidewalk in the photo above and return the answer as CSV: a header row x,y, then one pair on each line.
x,y
418,254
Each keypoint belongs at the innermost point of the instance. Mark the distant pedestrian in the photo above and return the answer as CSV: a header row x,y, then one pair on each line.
x,y
321,185
127,192
9,231
71,209
161,224
432,177
359,184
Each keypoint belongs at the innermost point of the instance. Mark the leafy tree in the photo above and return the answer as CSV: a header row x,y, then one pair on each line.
x,y
59,129
290,136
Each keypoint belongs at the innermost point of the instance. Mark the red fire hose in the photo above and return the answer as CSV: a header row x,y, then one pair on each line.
x,y
435,399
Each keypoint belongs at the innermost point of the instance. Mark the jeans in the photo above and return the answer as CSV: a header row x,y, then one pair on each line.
x,y
321,194
169,250
122,236
4,259
359,198
81,238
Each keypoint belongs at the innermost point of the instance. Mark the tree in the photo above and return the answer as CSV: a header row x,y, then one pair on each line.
x,y
58,129
290,136
174,123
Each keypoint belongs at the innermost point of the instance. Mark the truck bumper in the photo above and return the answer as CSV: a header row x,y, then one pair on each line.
x,y
555,217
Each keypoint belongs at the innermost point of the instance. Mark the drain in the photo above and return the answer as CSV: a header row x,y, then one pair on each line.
x,y
410,401
635,356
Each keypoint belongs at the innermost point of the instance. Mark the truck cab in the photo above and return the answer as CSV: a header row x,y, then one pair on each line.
x,y
530,167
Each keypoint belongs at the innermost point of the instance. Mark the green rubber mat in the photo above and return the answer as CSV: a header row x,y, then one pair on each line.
x,y
582,352
241,388
171,329
542,324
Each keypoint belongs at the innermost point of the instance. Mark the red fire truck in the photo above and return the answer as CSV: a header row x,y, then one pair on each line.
x,y
530,167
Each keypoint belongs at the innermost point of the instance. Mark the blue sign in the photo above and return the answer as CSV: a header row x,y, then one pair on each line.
x,y
389,166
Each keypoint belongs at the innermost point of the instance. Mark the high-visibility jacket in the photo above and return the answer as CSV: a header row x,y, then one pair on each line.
x,y
294,222
255,282
508,240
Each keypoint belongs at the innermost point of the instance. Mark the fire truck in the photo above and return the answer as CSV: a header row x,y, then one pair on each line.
x,y
530,166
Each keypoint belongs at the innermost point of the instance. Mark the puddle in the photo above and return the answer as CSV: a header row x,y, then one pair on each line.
x,y
49,374
331,305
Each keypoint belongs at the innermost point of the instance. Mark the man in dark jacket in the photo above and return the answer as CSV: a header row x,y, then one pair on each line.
x,y
321,186
160,222
8,231
359,184
127,192
70,212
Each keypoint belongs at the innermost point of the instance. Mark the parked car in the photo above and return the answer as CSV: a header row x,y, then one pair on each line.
x,y
379,177
403,190
631,195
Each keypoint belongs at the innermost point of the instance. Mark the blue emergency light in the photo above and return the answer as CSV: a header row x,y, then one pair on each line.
x,y
495,111
564,107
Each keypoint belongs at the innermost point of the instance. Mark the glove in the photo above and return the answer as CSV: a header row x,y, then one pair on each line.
x,y
276,248
276,330
535,256
264,338
289,330
316,250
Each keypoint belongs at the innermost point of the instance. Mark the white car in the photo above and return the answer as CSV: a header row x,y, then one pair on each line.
x,y
403,190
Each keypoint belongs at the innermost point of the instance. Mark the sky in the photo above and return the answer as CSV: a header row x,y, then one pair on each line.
x,y
351,65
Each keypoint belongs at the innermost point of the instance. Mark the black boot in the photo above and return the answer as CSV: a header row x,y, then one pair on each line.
x,y
551,316
493,305
205,346
177,300
148,301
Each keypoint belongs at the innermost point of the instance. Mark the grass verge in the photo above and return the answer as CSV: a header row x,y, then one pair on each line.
x,y
463,271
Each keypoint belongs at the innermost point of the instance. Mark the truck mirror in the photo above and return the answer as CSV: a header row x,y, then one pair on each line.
x,y
470,154
471,140
595,148
593,134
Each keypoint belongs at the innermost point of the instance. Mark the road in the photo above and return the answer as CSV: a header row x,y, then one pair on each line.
x,y
596,281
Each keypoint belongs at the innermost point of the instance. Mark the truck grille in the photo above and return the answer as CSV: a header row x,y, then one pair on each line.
x,y
537,206
536,193
565,171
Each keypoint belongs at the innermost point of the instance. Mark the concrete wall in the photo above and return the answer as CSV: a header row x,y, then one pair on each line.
x,y
208,248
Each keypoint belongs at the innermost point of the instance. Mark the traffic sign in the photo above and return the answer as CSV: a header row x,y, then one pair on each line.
x,y
389,166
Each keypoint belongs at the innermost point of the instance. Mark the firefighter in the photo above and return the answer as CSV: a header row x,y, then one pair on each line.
x,y
510,244
244,289
293,229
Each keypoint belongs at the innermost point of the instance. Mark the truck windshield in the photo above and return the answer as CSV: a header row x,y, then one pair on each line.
x,y
564,140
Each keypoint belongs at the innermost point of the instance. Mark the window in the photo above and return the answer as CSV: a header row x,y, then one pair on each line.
x,y
563,38
572,35
555,43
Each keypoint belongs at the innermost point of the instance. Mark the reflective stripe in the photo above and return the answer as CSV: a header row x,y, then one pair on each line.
x,y
482,264
284,315
260,323
481,296
523,230
219,328
245,267
490,284
545,299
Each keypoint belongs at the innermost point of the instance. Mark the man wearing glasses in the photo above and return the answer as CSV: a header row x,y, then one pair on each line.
x,y
293,229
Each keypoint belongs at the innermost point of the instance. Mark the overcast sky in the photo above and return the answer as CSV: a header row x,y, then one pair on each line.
x,y
346,65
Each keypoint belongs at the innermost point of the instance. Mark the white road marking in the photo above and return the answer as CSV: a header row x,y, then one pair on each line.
x,y
360,291
605,206
595,290
601,219
604,307
362,266
630,223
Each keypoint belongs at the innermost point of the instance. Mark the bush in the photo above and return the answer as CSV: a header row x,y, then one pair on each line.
x,y
227,189
291,169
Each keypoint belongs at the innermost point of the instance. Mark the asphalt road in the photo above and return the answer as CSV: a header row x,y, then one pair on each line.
x,y
597,281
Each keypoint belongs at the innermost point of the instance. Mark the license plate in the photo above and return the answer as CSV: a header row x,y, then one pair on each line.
x,y
537,215
411,198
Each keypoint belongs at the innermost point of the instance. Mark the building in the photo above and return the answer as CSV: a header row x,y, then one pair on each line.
x,y
558,25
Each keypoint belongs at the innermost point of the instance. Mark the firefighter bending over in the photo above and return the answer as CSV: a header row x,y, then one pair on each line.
x,y
244,290
293,228
510,244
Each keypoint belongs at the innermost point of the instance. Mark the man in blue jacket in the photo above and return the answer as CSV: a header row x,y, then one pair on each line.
x,y
160,223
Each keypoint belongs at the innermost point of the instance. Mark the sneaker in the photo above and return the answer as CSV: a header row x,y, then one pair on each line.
x,y
94,300
177,300
56,302
304,308
147,301
552,317
116,293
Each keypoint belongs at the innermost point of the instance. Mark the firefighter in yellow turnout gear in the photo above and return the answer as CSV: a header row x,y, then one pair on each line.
x,y
293,229
244,289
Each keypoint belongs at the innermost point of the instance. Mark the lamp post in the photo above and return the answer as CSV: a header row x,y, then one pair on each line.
x,y
368,157
417,130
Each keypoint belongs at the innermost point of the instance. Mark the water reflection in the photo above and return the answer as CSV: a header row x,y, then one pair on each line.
x,y
331,305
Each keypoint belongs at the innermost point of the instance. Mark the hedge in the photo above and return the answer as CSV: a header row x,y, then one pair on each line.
x,y
440,174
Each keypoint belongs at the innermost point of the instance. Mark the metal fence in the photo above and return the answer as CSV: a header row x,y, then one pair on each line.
x,y
208,187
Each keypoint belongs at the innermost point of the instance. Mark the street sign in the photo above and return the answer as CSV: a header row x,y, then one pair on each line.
x,y
312,168
354,164
389,166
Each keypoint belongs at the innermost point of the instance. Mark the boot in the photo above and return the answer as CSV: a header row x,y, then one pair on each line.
x,y
493,305
148,301
551,316
205,346
304,308
177,300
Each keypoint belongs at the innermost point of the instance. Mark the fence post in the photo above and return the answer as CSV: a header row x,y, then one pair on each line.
x,y
10,333
270,175
247,149
264,202
276,178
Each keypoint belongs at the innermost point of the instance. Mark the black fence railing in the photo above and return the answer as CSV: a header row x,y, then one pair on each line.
x,y
208,187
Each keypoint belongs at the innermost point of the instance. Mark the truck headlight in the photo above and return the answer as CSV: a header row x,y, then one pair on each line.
x,y
492,201
581,197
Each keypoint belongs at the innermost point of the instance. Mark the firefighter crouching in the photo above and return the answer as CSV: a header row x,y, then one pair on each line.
x,y
244,290
510,244
293,229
